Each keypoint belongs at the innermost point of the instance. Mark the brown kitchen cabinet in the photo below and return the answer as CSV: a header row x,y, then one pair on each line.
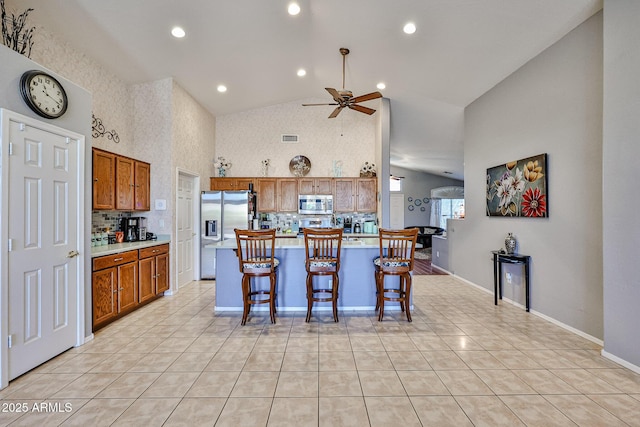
x,y
366,195
355,195
344,197
315,186
287,194
114,285
230,184
104,180
125,183
154,271
267,195
120,183
142,193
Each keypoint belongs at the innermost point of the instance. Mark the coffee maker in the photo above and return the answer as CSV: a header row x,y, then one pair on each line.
x,y
134,228
348,225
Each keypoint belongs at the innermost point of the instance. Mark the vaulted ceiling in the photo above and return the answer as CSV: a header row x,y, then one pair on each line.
x,y
461,49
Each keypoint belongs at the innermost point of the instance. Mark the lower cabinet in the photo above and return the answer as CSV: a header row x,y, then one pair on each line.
x,y
123,281
154,271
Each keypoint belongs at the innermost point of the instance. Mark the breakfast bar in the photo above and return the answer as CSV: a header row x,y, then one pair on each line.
x,y
357,285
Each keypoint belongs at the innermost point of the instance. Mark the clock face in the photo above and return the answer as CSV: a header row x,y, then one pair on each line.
x,y
43,94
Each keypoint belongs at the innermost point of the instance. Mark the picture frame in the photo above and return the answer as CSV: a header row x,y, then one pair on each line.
x,y
518,188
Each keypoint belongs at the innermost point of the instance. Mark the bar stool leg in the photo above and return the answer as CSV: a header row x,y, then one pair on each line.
x,y
334,296
246,290
380,296
272,297
309,296
407,296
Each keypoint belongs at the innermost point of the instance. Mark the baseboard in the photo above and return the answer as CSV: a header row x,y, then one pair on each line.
x,y
619,361
441,269
537,313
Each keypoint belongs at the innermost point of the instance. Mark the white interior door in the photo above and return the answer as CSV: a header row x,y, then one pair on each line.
x,y
43,245
185,228
396,211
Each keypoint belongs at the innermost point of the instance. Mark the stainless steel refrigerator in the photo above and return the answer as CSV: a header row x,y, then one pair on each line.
x,y
221,212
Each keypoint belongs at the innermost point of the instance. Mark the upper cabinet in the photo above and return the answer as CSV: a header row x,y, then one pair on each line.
x,y
104,180
281,194
267,200
288,194
230,184
315,186
142,193
366,195
120,183
355,195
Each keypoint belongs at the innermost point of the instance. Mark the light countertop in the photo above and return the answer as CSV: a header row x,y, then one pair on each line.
x,y
352,241
116,248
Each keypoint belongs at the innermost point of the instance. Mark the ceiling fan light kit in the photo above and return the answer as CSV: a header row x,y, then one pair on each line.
x,y
344,98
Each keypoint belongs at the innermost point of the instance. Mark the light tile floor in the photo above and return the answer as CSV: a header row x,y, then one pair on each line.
x,y
461,362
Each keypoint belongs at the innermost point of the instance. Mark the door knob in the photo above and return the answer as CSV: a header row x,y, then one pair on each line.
x,y
73,254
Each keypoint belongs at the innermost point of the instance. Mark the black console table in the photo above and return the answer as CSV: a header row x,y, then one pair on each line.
x,y
498,259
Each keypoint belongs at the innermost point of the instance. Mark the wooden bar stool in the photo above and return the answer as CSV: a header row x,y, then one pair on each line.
x,y
322,258
256,259
397,248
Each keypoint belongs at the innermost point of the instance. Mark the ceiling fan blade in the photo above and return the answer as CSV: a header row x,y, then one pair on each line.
x,y
334,93
309,105
367,97
336,112
362,109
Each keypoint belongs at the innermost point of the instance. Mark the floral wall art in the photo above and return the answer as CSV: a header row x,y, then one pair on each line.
x,y
518,188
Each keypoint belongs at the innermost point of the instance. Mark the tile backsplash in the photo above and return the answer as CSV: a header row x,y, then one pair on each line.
x,y
101,220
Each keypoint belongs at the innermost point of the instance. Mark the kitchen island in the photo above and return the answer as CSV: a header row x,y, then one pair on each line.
x,y
357,284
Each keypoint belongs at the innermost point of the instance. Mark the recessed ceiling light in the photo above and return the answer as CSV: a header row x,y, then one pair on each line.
x,y
302,72
381,86
409,28
293,9
178,32
222,88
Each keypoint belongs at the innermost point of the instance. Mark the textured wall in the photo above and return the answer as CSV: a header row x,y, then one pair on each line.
x,y
112,101
246,138
193,136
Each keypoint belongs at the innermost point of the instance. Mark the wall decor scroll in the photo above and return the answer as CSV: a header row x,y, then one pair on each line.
x,y
98,130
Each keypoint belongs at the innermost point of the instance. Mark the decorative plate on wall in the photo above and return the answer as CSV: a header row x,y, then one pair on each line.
x,y
417,202
409,199
411,207
422,209
426,200
300,166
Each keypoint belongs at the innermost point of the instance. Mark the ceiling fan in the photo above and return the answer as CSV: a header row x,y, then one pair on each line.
x,y
344,98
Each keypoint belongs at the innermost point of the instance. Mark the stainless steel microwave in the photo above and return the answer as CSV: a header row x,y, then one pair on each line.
x,y
315,204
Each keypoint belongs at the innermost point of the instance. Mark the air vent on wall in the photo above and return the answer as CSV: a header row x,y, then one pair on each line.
x,y
289,139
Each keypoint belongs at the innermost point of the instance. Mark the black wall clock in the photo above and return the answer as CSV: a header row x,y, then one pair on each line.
x,y
43,94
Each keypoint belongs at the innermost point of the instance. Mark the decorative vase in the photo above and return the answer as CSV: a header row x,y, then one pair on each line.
x,y
510,243
222,172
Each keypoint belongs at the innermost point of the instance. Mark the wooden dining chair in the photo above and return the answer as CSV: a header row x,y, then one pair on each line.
x,y
322,258
397,248
256,260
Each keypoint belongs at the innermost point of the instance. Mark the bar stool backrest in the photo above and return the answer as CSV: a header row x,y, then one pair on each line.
x,y
397,249
256,250
322,248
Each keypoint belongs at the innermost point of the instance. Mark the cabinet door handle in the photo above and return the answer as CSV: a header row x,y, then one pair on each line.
x,y
117,259
115,291
156,250
95,179
121,289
